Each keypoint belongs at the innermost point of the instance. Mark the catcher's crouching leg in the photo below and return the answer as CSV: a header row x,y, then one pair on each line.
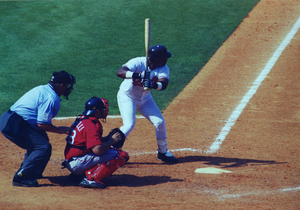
x,y
103,170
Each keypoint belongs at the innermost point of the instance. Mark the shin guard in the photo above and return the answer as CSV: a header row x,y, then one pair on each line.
x,y
103,170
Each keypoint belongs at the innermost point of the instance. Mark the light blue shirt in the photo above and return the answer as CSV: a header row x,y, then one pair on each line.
x,y
38,105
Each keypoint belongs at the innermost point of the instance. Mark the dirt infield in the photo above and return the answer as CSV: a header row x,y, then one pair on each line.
x,y
261,149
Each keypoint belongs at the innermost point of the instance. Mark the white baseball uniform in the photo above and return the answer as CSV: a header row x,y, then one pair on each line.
x,y
132,97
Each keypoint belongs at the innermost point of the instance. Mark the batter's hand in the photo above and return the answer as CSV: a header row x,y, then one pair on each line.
x,y
153,85
142,74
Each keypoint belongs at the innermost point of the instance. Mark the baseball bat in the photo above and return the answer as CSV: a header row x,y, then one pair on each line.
x,y
147,42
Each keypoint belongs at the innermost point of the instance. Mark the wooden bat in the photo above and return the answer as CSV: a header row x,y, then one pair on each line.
x,y
147,42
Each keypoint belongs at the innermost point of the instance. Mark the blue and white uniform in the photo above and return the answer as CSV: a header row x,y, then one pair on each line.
x,y
132,97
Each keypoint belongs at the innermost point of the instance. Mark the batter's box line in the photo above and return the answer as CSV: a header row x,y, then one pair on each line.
x,y
109,116
171,150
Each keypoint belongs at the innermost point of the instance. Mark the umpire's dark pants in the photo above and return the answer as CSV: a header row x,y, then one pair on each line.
x,y
17,130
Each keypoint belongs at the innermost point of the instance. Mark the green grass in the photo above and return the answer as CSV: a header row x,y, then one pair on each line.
x,y
92,39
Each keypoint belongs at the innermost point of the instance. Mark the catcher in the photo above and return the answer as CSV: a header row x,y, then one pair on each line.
x,y
87,153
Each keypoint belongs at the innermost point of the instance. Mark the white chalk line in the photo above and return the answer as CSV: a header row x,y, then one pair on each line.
x,y
109,116
239,109
171,150
258,193
222,195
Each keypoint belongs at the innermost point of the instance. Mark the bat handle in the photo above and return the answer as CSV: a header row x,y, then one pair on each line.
x,y
147,80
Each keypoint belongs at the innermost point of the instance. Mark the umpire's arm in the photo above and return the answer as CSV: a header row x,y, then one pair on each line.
x,y
54,129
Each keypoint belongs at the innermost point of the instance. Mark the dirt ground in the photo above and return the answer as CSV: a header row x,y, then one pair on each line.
x,y
261,150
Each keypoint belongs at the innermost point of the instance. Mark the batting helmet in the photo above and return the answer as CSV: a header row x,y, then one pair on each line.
x,y
158,52
95,103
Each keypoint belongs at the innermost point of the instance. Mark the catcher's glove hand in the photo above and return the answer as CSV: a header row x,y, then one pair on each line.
x,y
120,143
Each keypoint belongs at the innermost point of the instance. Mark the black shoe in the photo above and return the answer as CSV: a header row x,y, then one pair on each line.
x,y
33,175
91,184
22,180
167,157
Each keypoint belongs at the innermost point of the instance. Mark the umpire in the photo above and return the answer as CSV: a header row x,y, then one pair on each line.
x,y
27,121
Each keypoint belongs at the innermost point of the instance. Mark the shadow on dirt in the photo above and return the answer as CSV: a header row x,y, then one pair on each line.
x,y
117,180
224,162
136,181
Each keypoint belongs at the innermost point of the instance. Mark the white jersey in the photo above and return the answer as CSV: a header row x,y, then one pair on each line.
x,y
133,88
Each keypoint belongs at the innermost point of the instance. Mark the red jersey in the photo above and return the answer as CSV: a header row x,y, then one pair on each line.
x,y
87,134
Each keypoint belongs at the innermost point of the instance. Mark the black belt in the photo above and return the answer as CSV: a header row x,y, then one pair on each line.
x,y
64,164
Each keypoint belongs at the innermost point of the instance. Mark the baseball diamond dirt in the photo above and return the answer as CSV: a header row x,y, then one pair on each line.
x,y
235,115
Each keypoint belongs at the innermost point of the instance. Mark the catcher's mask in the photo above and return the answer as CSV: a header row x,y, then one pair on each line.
x,y
95,103
158,52
64,77
70,87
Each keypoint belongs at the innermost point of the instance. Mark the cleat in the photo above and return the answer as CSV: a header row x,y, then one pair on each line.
x,y
21,181
167,157
91,184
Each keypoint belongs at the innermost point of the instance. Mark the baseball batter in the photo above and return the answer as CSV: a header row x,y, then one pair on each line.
x,y
132,96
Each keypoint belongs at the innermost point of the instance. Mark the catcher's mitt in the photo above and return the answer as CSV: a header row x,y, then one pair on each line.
x,y
120,143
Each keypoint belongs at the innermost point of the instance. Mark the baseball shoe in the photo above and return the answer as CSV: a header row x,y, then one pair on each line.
x,y
167,157
22,181
91,184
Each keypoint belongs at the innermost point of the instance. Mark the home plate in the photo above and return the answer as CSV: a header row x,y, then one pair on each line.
x,y
211,170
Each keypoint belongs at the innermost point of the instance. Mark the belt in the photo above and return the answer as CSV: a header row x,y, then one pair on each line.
x,y
64,164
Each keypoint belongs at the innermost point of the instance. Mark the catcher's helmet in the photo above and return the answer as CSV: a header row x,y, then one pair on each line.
x,y
95,103
158,52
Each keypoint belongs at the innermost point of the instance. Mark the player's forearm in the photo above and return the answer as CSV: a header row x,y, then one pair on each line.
x,y
100,149
161,84
125,73
122,72
54,129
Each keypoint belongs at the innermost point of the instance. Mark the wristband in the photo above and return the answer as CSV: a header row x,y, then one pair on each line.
x,y
128,74
159,86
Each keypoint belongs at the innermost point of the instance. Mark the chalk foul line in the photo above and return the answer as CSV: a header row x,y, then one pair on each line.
x,y
239,109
